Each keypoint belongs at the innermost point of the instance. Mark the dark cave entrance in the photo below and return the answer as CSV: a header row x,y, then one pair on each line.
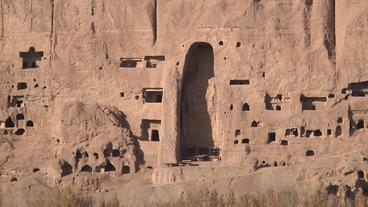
x,y
195,119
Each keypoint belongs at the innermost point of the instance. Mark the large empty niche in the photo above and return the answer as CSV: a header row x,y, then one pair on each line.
x,y
30,58
129,62
195,120
153,61
153,95
150,130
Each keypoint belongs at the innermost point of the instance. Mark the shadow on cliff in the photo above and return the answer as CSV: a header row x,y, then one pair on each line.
x,y
138,151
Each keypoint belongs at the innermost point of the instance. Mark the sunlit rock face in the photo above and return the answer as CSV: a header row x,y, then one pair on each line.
x,y
105,95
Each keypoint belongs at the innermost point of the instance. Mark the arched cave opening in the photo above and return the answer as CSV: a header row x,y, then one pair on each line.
x,y
125,170
109,167
86,168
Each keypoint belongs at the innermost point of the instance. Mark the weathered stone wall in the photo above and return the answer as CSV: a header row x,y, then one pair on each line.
x,y
294,58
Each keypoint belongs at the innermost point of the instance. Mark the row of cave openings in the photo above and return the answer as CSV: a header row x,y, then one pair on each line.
x,y
24,85
149,95
275,103
150,62
265,164
294,132
31,57
107,166
109,154
18,126
18,101
361,184
354,89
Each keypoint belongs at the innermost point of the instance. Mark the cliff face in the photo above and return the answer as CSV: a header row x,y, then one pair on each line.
x,y
137,86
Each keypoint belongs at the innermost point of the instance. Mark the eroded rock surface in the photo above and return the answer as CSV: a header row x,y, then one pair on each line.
x,y
143,97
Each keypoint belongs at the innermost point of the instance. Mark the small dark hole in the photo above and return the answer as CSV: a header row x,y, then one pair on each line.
x,y
245,141
360,174
19,132
237,132
284,142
